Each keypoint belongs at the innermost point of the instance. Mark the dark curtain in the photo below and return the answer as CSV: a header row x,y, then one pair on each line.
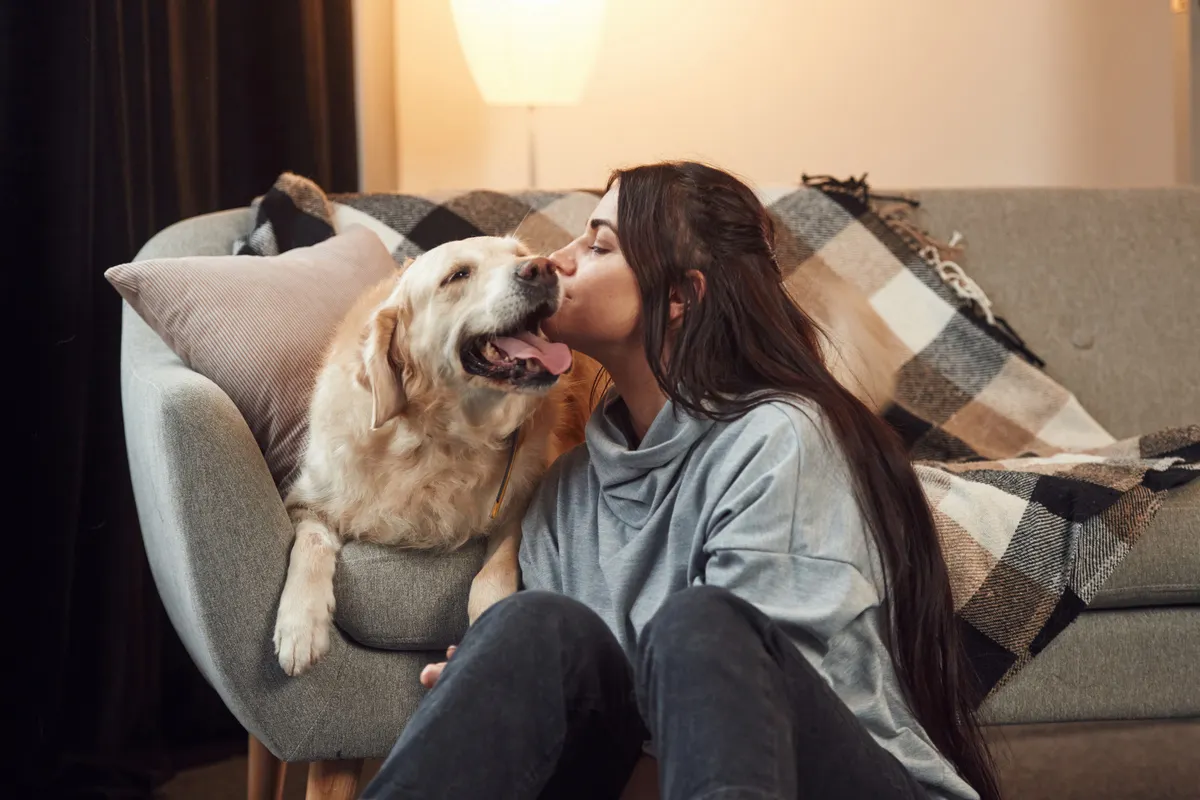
x,y
117,118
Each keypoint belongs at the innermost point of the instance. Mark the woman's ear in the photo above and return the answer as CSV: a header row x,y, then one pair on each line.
x,y
382,367
678,303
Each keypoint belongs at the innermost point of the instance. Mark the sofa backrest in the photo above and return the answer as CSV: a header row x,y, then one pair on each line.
x,y
1102,284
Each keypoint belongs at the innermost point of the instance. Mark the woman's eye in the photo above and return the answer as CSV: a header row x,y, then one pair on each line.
x,y
460,274
598,250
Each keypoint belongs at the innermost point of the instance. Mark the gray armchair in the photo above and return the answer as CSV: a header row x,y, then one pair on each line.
x,y
218,538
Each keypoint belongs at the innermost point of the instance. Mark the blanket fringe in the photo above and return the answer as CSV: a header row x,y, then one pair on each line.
x,y
898,213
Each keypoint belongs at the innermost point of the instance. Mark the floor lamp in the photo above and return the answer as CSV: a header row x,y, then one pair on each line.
x,y
530,53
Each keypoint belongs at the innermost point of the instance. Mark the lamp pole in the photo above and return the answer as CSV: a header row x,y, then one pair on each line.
x,y
531,119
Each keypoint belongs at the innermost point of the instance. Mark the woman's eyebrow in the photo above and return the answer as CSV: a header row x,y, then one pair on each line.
x,y
596,224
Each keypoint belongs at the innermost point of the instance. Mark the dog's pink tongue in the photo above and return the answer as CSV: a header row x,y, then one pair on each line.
x,y
554,356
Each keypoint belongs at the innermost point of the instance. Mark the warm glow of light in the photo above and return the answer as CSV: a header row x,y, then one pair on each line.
x,y
530,52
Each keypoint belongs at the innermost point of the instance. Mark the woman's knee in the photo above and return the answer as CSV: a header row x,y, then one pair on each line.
x,y
531,618
697,617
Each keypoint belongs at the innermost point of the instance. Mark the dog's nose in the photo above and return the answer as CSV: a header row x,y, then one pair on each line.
x,y
538,271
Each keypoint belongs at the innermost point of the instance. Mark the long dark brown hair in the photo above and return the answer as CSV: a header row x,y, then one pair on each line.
x,y
745,342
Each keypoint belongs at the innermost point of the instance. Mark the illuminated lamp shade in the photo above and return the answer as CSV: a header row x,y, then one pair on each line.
x,y
530,52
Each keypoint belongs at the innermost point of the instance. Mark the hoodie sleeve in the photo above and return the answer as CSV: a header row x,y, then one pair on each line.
x,y
786,533
539,556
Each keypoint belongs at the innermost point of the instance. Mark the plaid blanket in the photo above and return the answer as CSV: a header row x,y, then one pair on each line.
x,y
1034,501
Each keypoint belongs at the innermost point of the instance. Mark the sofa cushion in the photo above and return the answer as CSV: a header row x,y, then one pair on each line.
x,y
1164,567
393,599
1121,663
1098,282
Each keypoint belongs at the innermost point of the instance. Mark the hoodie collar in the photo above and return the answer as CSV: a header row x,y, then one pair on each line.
x,y
619,468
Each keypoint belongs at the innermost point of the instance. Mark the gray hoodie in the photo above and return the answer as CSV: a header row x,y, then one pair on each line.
x,y
762,506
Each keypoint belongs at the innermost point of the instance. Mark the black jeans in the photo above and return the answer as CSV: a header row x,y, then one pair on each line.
x,y
540,701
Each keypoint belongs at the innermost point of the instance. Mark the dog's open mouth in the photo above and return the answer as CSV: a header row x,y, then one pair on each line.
x,y
522,357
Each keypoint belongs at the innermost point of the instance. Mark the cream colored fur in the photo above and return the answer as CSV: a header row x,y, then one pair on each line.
x,y
407,449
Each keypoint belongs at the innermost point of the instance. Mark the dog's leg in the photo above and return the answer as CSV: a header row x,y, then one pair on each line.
x,y
306,608
500,574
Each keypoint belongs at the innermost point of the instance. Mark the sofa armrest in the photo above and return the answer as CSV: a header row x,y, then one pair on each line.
x,y
217,538
215,530
204,235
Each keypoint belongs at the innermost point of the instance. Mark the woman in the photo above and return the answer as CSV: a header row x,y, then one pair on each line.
x,y
743,575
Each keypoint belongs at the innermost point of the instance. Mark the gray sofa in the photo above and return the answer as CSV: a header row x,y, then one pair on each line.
x,y
1105,285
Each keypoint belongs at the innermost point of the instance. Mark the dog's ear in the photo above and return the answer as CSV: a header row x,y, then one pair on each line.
x,y
382,367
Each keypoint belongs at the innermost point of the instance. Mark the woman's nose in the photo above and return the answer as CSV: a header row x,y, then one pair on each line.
x,y
563,261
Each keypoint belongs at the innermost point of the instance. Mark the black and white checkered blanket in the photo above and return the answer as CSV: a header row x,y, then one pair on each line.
x,y
1035,503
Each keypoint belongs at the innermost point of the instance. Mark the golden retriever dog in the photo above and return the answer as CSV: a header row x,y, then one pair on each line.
x,y
437,409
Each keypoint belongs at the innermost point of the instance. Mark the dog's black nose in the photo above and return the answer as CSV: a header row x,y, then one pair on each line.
x,y
538,271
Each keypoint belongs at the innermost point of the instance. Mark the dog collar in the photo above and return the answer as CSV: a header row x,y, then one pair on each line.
x,y
513,439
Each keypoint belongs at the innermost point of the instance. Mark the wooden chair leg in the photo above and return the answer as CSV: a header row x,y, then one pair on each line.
x,y
333,780
264,773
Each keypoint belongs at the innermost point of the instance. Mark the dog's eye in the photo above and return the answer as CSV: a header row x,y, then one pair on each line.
x,y
459,274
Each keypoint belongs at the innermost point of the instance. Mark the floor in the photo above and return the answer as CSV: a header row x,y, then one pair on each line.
x,y
1086,761
227,779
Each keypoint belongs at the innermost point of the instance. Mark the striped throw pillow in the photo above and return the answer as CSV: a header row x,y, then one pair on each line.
x,y
258,326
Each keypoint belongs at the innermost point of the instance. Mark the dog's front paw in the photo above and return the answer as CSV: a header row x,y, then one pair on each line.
x,y
302,631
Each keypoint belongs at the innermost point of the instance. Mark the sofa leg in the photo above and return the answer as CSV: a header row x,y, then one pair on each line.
x,y
264,773
333,780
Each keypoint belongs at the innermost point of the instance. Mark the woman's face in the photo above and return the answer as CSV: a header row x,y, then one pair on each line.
x,y
600,313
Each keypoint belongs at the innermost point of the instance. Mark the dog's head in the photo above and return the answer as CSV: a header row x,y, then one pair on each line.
x,y
465,316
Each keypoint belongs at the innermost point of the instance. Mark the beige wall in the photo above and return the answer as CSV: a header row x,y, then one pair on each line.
x,y
375,95
915,92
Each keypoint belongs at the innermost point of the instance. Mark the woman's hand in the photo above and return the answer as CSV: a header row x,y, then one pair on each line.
x,y
431,673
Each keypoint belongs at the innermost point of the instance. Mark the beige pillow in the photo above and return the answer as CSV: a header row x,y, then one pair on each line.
x,y
258,326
